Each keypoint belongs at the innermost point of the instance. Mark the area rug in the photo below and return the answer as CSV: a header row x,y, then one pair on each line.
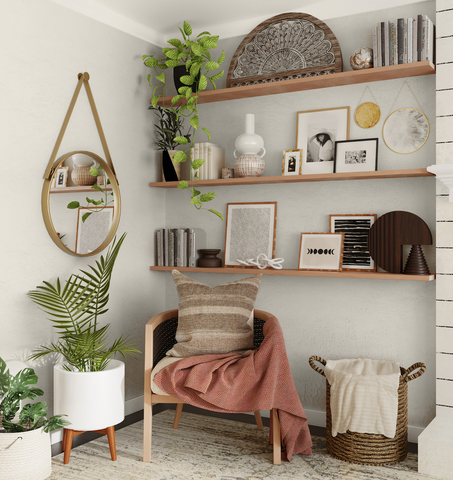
x,y
209,448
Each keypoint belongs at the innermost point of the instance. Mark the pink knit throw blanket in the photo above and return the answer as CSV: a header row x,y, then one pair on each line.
x,y
237,383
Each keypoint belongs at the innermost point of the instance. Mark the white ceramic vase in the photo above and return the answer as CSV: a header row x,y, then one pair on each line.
x,y
249,159
92,400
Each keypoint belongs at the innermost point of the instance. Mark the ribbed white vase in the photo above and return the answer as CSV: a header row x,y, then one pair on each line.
x,y
92,400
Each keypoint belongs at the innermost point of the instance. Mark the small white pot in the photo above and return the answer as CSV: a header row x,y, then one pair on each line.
x,y
92,400
25,455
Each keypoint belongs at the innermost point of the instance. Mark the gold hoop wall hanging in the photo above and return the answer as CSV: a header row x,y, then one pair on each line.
x,y
407,129
107,165
367,114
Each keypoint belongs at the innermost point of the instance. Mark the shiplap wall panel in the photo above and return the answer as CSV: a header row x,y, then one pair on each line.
x,y
444,210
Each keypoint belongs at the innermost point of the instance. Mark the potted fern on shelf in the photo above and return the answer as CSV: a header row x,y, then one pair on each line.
x,y
25,450
89,385
193,57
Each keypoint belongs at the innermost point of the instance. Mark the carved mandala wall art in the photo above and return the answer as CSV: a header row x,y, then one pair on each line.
x,y
284,47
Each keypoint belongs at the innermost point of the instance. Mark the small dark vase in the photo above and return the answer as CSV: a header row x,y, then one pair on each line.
x,y
168,169
209,258
179,72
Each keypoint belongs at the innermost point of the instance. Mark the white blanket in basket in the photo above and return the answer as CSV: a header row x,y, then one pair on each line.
x,y
363,395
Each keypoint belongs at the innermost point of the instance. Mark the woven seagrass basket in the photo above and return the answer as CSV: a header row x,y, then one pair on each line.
x,y
367,448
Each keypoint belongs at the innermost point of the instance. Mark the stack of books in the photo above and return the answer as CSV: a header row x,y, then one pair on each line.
x,y
214,160
405,41
177,247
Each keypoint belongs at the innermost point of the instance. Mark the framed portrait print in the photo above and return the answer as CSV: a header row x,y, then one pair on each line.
x,y
250,230
292,162
356,155
92,227
317,133
321,251
60,178
356,228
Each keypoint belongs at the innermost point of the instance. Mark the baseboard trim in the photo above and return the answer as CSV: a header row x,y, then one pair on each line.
x,y
134,413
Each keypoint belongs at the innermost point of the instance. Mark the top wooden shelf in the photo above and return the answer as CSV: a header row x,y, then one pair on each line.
x,y
321,177
392,72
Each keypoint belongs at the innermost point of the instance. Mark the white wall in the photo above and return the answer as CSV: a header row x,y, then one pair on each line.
x,y
44,47
333,318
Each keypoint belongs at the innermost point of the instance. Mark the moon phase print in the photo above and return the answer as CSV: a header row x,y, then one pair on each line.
x,y
321,251
356,228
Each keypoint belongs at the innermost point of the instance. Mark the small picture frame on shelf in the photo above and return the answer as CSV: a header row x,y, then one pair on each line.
x,y
321,251
356,228
60,179
356,155
292,162
250,230
317,133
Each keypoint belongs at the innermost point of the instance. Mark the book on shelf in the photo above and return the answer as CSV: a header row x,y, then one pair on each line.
x,y
177,247
214,160
405,40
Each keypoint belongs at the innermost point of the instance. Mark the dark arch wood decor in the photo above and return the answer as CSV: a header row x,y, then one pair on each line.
x,y
284,47
387,237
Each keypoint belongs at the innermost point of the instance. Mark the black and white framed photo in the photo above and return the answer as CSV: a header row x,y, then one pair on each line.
x,y
317,133
356,228
93,226
321,251
60,179
292,162
356,155
250,230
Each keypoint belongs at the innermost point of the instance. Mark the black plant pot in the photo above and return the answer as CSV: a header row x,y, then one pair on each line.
x,y
179,72
168,169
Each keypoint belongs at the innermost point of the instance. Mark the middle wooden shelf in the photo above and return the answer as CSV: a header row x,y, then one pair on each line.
x,y
302,273
322,177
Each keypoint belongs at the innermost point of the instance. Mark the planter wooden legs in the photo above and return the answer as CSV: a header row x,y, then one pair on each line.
x,y
68,436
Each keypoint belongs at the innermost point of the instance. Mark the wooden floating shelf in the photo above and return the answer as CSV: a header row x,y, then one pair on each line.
x,y
78,189
302,273
322,177
312,83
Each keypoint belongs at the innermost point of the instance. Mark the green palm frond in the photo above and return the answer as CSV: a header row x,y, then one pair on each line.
x,y
74,311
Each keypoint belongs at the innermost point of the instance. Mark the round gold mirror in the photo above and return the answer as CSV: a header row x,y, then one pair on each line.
x,y
81,211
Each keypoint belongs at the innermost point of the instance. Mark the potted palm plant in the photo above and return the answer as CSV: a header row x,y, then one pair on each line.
x,y
194,58
25,450
169,127
89,385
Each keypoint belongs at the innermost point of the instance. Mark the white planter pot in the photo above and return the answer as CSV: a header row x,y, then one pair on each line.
x,y
92,400
25,455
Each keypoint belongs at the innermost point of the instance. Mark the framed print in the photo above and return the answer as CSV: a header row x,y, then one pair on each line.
x,y
356,155
60,177
93,231
250,230
321,251
317,133
356,229
292,162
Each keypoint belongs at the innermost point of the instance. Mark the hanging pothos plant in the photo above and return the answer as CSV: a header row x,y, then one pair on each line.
x,y
195,56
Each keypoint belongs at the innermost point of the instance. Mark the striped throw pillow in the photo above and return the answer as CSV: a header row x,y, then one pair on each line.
x,y
213,320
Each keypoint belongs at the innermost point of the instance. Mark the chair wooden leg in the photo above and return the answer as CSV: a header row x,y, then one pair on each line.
x,y
276,438
63,446
147,429
177,414
112,443
68,436
259,421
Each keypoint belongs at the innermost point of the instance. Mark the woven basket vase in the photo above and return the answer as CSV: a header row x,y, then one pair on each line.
x,y
367,448
25,455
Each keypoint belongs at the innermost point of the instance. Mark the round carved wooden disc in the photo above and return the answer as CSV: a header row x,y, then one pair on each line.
x,y
367,115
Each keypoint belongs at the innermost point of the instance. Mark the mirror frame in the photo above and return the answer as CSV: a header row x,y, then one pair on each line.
x,y
45,204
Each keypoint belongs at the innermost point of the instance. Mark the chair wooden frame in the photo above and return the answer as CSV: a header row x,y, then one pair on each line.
x,y
151,397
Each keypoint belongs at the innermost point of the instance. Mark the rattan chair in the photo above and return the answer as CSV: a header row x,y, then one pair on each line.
x,y
159,338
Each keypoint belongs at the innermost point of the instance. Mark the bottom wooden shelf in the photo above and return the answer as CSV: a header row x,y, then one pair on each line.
x,y
302,273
